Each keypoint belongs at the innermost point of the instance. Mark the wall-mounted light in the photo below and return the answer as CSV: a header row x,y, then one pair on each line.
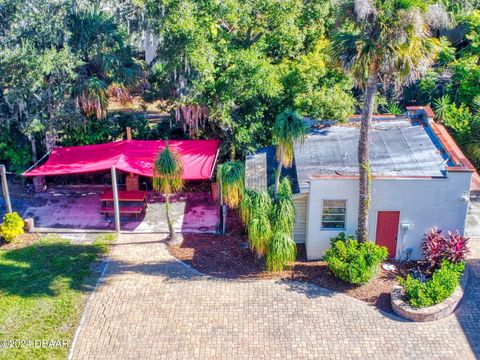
x,y
406,226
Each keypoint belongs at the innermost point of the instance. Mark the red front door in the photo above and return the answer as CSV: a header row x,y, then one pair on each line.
x,y
387,230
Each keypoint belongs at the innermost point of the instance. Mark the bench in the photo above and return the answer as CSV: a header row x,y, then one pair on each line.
x,y
129,210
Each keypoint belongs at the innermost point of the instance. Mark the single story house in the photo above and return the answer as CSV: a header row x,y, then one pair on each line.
x,y
420,180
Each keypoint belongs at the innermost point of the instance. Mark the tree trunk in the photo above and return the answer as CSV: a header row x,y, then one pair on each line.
x,y
233,150
278,174
363,158
33,143
169,221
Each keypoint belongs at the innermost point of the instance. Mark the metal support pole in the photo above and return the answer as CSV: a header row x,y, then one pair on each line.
x,y
116,205
6,194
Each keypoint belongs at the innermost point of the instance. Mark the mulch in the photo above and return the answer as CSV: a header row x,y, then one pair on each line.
x,y
20,242
227,256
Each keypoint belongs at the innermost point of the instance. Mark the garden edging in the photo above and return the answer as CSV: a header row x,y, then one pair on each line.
x,y
431,313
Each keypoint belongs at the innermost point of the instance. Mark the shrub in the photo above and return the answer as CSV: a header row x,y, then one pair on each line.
x,y
456,247
353,261
438,288
11,227
436,248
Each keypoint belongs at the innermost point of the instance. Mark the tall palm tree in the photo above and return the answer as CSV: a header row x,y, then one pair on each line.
x,y
287,128
386,41
167,178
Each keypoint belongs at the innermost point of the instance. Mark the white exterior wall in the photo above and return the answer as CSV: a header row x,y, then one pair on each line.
x,y
423,203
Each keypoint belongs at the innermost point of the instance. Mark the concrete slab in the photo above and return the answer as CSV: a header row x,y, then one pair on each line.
x,y
79,208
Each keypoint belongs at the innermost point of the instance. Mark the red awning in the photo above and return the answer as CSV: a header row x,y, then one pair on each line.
x,y
134,156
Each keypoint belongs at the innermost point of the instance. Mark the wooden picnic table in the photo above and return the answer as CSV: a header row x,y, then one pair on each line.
x,y
124,196
127,196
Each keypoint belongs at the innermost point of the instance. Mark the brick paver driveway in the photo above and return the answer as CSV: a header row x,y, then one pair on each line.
x,y
150,306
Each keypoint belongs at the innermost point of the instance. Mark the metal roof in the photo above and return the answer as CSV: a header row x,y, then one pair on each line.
x,y
256,175
399,147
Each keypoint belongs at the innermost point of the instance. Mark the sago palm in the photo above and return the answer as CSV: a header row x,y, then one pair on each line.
x,y
386,41
167,179
287,128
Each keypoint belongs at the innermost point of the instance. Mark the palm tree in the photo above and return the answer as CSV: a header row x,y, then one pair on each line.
x,y
281,249
287,128
167,178
106,58
387,41
231,182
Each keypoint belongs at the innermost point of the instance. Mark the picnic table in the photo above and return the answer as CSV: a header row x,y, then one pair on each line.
x,y
124,196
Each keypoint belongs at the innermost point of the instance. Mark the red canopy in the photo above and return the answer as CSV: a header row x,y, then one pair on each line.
x,y
134,156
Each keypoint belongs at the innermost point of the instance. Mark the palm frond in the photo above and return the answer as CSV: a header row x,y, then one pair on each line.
x,y
259,233
254,204
287,128
442,106
167,171
282,215
281,252
393,108
231,180
246,205
92,98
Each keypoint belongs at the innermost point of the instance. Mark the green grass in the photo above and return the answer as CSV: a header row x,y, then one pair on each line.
x,y
42,291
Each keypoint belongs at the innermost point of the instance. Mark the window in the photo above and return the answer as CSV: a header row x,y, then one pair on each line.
x,y
333,216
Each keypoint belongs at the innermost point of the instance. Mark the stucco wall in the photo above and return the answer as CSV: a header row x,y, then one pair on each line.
x,y
423,203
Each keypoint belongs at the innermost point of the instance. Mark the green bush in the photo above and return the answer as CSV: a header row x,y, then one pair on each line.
x,y
11,227
435,290
353,261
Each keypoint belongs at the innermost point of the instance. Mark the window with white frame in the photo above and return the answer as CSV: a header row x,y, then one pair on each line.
x,y
333,214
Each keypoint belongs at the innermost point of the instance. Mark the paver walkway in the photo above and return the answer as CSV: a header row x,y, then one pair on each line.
x,y
150,306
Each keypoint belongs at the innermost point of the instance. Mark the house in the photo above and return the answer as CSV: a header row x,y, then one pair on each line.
x,y
420,180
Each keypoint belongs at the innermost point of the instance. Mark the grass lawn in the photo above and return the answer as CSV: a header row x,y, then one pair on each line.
x,y
43,287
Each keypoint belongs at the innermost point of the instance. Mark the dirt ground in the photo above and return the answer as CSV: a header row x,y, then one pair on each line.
x,y
20,242
228,256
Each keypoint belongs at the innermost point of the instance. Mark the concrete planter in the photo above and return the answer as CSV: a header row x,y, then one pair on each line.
x,y
436,312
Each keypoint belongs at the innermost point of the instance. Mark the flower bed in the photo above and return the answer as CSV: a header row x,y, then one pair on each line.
x,y
430,313
424,298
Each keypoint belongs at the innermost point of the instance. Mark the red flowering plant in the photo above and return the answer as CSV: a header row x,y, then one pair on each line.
x,y
456,247
435,247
